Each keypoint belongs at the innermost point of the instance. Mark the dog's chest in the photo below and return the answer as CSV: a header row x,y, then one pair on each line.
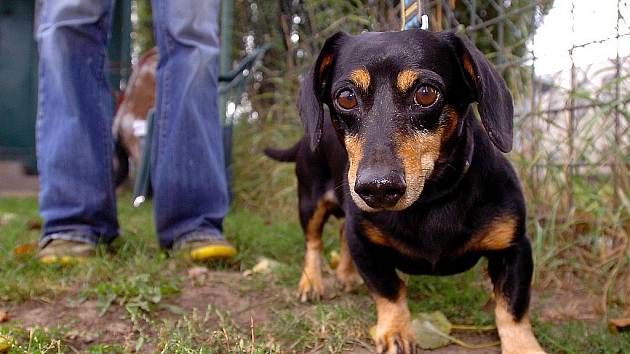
x,y
430,242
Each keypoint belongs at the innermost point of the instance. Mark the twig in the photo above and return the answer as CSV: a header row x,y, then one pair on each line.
x,y
473,327
227,339
251,326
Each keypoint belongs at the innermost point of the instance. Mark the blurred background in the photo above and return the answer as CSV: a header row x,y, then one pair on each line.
x,y
567,63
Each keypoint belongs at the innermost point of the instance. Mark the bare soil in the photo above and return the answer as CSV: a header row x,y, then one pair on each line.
x,y
245,305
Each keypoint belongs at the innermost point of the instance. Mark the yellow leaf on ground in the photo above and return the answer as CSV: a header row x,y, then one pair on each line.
x,y
6,343
264,266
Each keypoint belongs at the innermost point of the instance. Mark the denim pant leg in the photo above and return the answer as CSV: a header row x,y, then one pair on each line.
x,y
74,134
188,176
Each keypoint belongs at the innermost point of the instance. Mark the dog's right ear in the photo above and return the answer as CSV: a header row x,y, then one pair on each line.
x,y
313,89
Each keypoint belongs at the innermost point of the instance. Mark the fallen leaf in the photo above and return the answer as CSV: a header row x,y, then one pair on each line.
x,y
34,224
25,248
4,316
619,325
6,343
264,266
431,330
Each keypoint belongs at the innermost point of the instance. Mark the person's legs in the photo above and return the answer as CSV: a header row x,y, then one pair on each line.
x,y
188,175
74,134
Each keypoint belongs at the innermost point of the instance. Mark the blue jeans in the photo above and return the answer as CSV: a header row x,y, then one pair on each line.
x,y
74,126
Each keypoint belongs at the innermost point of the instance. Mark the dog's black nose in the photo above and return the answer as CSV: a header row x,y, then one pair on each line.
x,y
380,190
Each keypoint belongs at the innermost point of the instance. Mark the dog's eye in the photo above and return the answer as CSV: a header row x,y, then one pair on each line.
x,y
347,99
426,95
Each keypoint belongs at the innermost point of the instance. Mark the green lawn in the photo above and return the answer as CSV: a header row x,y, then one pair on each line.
x,y
159,306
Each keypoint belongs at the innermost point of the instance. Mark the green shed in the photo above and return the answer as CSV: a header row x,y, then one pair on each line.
x,y
18,73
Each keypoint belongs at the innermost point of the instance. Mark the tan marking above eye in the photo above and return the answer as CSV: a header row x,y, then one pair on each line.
x,y
426,95
361,78
405,79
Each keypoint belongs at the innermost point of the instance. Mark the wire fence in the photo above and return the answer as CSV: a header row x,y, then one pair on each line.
x,y
572,142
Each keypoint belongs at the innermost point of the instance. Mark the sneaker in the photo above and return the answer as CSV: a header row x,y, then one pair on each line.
x,y
205,246
66,252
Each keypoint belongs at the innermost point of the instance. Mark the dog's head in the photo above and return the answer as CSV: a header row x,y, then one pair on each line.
x,y
397,101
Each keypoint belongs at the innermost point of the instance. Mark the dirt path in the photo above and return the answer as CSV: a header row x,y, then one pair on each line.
x,y
87,324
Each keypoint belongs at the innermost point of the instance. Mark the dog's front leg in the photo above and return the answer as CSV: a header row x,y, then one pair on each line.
x,y
511,272
393,333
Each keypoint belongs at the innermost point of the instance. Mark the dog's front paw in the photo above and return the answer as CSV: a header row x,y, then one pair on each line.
x,y
311,286
348,278
395,340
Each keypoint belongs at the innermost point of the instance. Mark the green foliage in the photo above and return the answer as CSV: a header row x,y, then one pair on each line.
x,y
574,337
143,39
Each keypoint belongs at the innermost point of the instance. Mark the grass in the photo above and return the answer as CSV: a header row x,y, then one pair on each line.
x,y
136,282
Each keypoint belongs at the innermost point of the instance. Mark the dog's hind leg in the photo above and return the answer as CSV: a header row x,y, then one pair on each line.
x,y
313,216
511,273
347,274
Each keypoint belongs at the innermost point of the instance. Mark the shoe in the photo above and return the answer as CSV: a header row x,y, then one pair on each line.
x,y
204,246
66,252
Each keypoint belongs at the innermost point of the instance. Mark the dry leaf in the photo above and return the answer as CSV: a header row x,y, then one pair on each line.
x,y
264,266
6,342
431,330
4,316
334,260
34,224
25,248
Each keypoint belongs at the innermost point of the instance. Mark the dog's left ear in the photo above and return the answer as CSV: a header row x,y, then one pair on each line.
x,y
490,91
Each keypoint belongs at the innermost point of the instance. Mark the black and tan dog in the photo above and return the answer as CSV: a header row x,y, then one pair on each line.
x,y
422,182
